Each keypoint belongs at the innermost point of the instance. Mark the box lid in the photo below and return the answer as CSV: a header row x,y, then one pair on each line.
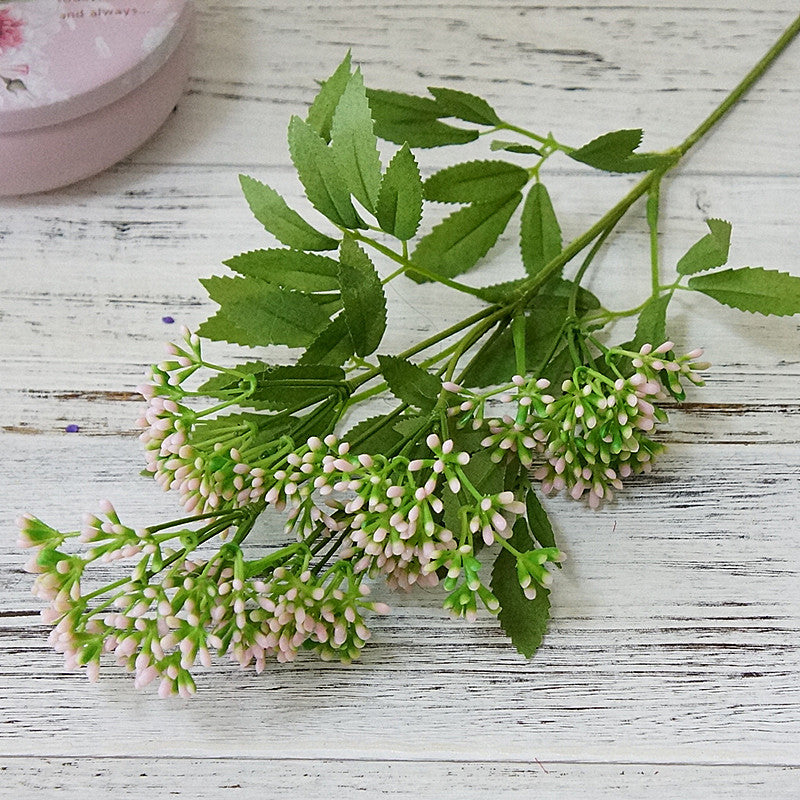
x,y
61,59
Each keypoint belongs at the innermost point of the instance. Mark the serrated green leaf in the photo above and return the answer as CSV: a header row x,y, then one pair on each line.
x,y
540,233
354,145
410,383
409,427
614,152
710,251
484,474
464,106
401,107
296,386
285,224
406,118
754,289
279,387
219,328
514,147
399,206
363,298
320,113
332,345
457,243
538,521
319,174
217,384
424,134
373,435
475,182
524,621
292,269
268,314
651,326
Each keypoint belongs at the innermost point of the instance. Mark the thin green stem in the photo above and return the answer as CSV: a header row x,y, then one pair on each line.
x,y
653,197
410,266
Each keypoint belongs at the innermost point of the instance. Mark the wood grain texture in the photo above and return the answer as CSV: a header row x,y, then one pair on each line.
x,y
672,662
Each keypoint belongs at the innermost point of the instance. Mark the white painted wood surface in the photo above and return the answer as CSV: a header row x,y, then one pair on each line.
x,y
672,664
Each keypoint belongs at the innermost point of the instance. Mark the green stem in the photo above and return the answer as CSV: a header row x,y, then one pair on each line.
x,y
653,197
410,266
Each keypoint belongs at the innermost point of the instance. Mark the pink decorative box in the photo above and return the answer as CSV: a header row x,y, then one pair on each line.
x,y
83,83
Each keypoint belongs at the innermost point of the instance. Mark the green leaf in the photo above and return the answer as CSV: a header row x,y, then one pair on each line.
x,y
475,182
354,145
401,107
424,135
495,362
710,251
613,152
538,521
264,314
651,326
406,118
399,206
220,328
486,476
410,383
293,386
465,106
457,243
292,269
514,147
279,387
754,289
378,438
524,621
319,174
540,234
332,345
363,298
286,225
320,113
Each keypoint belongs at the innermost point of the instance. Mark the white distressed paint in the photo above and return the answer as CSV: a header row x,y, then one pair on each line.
x,y
671,666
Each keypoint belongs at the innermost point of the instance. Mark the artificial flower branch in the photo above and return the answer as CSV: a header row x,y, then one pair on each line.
x,y
526,396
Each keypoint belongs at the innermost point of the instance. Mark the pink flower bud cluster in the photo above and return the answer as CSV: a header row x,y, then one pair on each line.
x,y
595,433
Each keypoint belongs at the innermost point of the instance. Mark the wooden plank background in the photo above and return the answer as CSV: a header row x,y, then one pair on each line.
x,y
672,662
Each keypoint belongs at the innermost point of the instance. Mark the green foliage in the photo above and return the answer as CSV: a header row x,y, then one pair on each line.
x,y
373,435
320,175
514,147
408,119
292,269
523,621
410,383
475,182
540,233
754,289
538,521
464,106
457,243
614,152
363,298
399,205
320,113
651,325
354,146
710,251
265,314
332,345
286,225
